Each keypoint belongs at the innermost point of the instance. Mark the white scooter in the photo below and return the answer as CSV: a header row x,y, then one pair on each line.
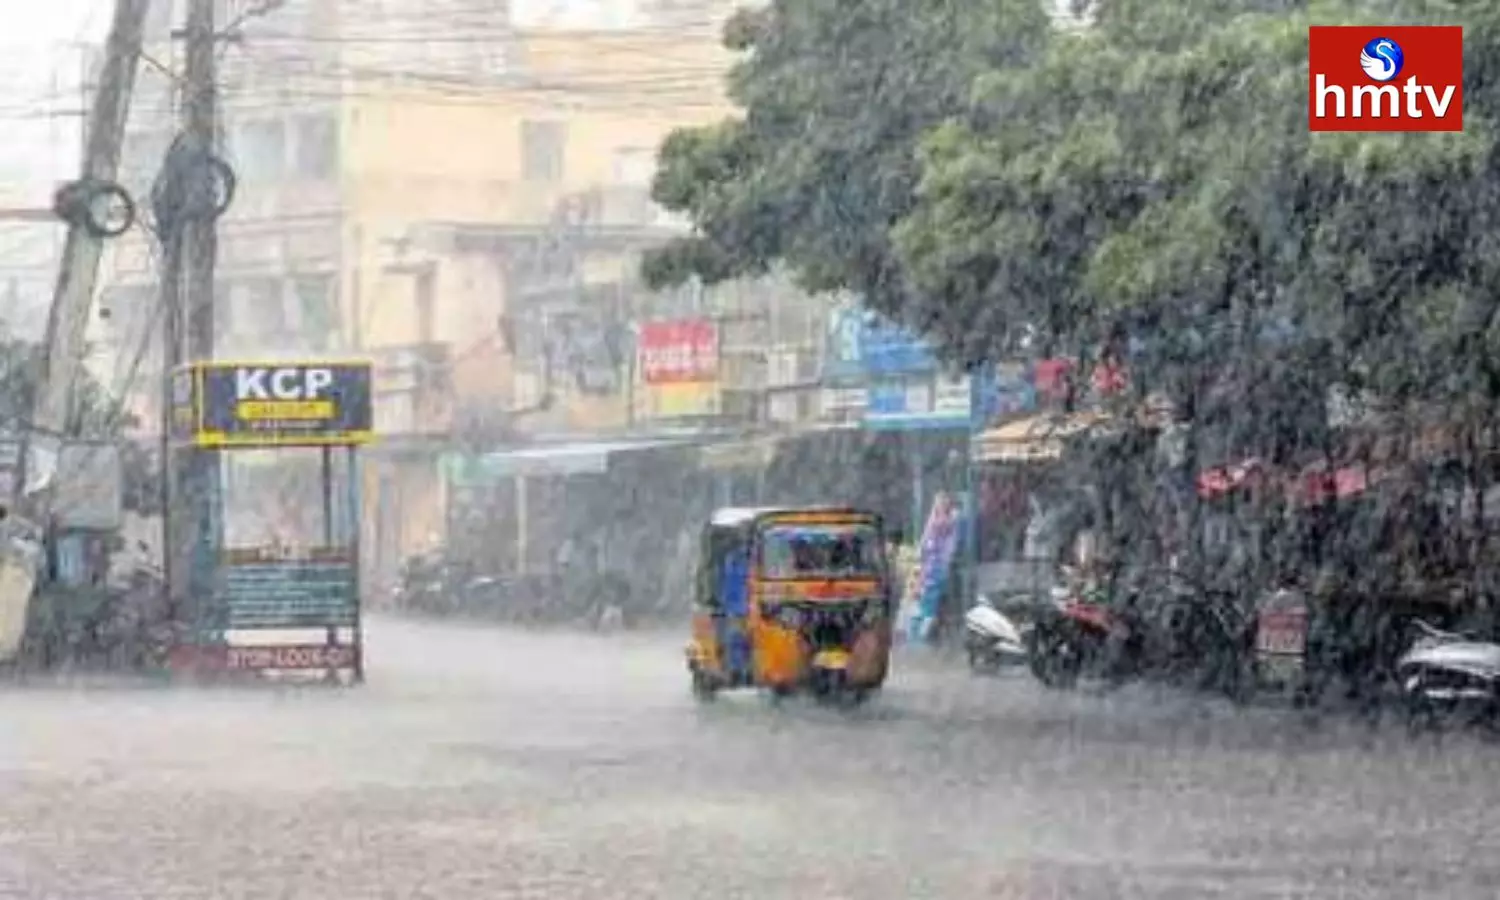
x,y
992,639
1445,674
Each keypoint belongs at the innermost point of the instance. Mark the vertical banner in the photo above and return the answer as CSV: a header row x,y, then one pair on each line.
x,y
929,579
679,366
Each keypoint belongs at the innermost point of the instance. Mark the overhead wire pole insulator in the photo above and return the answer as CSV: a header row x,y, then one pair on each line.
x,y
67,320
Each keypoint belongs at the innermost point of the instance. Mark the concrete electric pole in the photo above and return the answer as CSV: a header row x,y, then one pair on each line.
x,y
190,522
63,354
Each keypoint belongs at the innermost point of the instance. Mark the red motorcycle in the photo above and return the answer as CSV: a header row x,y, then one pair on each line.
x,y
1163,627
1081,635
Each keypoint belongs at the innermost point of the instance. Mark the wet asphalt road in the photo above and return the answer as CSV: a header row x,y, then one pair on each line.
x,y
484,763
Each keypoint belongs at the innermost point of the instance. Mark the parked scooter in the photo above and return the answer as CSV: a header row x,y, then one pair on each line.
x,y
1450,676
992,639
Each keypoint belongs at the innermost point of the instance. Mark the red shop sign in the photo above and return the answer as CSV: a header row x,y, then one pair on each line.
x,y
685,350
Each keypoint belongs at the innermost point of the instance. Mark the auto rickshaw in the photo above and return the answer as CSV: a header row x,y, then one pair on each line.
x,y
790,599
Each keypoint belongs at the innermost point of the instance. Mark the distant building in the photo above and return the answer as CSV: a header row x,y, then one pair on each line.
x,y
460,191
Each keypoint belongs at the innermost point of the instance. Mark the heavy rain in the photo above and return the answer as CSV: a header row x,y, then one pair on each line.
x,y
716,448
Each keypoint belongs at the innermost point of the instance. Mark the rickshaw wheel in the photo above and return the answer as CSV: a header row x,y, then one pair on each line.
x,y
704,690
830,687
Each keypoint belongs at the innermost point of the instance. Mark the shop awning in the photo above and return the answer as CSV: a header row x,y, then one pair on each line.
x,y
590,457
758,451
1035,438
750,453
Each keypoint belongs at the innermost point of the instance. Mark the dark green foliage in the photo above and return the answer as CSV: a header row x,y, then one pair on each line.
x,y
978,176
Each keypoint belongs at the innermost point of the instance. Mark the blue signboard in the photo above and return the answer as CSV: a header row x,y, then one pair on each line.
x,y
861,344
905,387
887,349
920,401
842,361
1005,390
260,589
277,404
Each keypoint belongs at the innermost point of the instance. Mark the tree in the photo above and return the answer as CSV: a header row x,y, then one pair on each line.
x,y
979,175
95,412
836,95
96,415
1158,169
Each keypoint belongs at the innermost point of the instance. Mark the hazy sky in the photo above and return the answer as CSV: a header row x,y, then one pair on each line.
x,y
39,88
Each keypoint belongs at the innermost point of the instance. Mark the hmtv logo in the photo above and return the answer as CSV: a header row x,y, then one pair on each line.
x,y
1385,78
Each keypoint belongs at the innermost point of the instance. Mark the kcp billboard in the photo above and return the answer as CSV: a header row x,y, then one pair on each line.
x,y
273,404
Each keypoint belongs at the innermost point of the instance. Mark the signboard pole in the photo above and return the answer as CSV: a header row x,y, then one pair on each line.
x,y
326,484
355,533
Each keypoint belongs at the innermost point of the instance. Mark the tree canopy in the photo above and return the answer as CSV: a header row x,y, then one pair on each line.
x,y
836,95
975,173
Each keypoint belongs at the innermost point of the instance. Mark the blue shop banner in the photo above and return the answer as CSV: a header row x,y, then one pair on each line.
x,y
888,349
915,402
1004,391
842,361
861,345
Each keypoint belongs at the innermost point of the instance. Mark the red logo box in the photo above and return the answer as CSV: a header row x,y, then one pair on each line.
x,y
1349,89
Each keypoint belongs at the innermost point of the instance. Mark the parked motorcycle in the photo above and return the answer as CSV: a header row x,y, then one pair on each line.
x,y
994,640
1450,676
424,586
1080,635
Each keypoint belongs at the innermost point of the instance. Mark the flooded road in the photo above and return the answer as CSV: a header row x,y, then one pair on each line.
x,y
494,764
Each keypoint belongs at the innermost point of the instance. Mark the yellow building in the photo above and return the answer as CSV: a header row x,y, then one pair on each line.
x,y
497,229
458,198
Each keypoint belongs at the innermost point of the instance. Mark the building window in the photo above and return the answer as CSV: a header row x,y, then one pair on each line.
x,y
317,147
259,150
543,145
426,313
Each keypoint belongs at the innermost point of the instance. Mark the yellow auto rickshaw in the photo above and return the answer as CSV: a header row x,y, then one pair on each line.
x,y
790,599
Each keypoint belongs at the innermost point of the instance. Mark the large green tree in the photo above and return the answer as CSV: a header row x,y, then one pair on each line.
x,y
1159,168
836,95
980,175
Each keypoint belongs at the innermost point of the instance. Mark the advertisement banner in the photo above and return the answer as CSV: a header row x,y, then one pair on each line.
x,y
1012,392
684,351
684,400
886,349
263,588
918,402
842,362
278,404
929,579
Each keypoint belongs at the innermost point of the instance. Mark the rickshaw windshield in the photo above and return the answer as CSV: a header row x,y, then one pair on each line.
x,y
820,551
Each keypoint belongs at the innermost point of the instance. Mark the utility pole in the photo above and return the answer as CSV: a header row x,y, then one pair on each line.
x,y
194,541
67,320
